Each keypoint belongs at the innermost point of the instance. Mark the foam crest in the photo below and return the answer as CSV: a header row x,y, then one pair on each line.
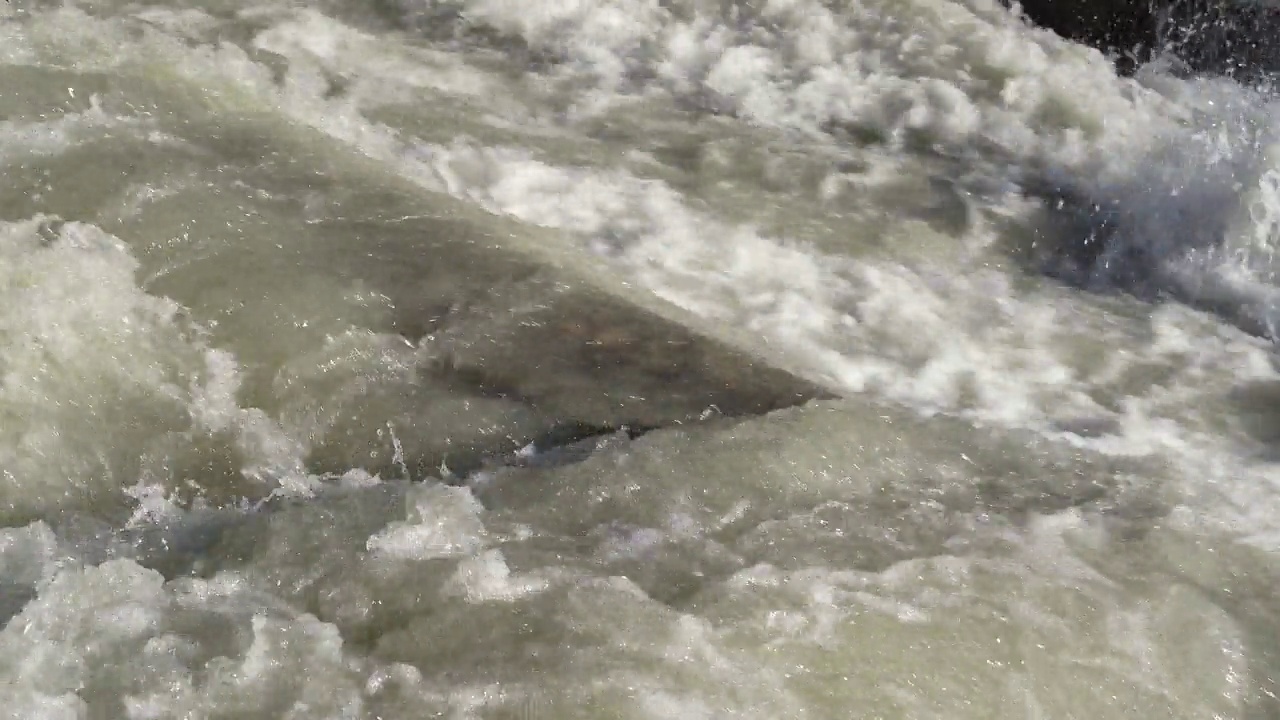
x,y
112,385
956,74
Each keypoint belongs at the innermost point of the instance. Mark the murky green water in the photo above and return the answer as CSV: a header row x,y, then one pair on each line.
x,y
626,360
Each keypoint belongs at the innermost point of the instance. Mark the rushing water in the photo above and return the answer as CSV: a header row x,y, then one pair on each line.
x,y
629,359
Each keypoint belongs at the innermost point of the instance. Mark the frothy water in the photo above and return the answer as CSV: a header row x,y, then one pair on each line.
x,y
492,359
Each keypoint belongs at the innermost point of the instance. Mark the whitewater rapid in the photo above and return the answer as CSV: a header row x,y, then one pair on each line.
x,y
629,359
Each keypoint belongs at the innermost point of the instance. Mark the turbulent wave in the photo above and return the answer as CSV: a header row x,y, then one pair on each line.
x,y
631,359
1173,208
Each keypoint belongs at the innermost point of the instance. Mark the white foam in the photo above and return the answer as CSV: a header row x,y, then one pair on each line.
x,y
100,371
118,633
1024,621
443,522
486,577
963,73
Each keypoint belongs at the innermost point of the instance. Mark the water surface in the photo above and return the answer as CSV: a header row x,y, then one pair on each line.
x,y
623,359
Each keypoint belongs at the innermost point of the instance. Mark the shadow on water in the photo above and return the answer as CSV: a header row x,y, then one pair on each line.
x,y
1166,235
1256,407
1235,38
1157,239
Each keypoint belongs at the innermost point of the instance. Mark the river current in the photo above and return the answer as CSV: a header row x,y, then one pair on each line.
x,y
636,359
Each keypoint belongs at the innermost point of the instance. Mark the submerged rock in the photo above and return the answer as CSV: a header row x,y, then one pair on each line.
x,y
473,333
494,318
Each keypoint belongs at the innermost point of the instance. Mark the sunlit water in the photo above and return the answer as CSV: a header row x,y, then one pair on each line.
x,y
629,359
